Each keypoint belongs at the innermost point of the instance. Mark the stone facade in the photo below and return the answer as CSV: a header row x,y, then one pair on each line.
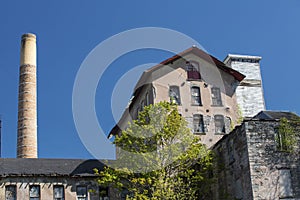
x,y
250,166
249,93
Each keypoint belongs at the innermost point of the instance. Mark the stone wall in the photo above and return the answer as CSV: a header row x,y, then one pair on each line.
x,y
232,169
275,174
250,166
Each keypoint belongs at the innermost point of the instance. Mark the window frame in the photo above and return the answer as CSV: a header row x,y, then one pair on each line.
x,y
216,97
63,192
178,99
193,97
39,192
15,191
193,70
200,123
219,119
81,197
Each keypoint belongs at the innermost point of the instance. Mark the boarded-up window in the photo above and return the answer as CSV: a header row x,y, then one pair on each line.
x,y
216,96
198,124
193,72
58,192
219,124
174,94
81,192
285,184
196,97
10,192
34,192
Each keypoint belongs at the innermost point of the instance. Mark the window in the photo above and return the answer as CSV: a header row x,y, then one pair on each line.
x,y
216,96
10,192
196,97
58,192
198,124
103,193
174,95
34,192
81,193
219,124
192,69
147,99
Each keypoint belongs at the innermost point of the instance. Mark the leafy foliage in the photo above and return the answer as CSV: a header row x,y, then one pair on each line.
x,y
286,136
159,158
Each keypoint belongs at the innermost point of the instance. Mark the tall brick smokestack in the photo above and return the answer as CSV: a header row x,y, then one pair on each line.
x,y
27,107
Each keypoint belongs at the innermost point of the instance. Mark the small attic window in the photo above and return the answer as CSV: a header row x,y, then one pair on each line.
x,y
193,71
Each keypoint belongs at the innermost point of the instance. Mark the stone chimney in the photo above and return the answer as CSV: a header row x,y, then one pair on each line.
x,y
27,107
249,93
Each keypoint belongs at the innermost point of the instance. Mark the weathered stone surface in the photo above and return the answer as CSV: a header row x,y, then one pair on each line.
x,y
251,167
249,93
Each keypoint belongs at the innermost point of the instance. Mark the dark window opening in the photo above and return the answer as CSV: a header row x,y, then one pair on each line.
x,y
103,193
219,124
198,124
216,96
58,192
196,96
193,72
34,192
81,193
174,95
10,192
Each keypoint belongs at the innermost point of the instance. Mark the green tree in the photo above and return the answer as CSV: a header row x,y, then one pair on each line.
x,y
159,158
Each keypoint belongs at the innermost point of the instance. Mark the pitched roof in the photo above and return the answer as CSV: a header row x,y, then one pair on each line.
x,y
202,54
48,167
273,115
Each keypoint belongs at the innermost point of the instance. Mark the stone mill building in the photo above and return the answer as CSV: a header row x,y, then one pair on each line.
x,y
223,103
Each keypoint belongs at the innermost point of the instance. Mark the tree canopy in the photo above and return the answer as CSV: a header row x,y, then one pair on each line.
x,y
158,157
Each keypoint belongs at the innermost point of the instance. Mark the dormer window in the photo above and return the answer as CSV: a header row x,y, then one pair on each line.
x,y
193,71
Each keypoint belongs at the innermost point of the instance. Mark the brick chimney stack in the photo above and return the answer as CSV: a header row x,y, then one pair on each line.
x,y
27,107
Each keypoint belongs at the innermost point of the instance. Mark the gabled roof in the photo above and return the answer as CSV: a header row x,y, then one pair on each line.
x,y
198,52
275,115
48,167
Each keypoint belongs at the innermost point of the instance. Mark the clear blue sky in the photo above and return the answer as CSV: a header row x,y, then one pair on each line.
x,y
68,30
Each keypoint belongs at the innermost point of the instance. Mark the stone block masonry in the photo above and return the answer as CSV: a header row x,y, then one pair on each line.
x,y
249,93
250,165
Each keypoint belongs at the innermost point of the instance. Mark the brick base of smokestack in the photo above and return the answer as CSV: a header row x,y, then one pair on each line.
x,y
27,107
